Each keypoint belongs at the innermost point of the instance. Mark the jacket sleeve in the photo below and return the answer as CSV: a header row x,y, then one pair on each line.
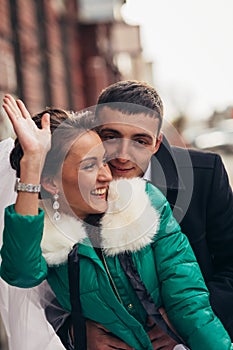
x,y
220,243
22,262
184,293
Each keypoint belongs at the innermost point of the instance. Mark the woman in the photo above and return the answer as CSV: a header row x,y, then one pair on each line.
x,y
46,337
137,257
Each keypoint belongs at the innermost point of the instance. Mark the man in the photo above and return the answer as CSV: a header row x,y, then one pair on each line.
x,y
129,116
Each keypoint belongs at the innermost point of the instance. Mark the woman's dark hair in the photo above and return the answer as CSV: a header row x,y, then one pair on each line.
x,y
65,128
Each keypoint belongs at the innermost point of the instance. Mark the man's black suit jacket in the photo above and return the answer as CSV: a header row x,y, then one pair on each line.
x,y
196,185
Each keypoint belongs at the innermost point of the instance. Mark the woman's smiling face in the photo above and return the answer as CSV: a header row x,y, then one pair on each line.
x,y
86,176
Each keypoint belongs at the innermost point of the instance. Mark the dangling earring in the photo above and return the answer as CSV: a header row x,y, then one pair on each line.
x,y
56,206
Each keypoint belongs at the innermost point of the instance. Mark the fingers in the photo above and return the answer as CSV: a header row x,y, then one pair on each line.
x,y
9,108
10,101
8,111
45,121
15,109
23,109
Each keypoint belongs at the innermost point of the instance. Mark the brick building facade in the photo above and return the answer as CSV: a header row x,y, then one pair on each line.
x,y
48,57
40,53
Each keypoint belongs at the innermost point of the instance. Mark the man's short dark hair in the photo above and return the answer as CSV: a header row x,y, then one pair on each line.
x,y
131,97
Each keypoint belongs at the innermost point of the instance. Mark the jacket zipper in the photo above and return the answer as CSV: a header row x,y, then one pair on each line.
x,y
111,279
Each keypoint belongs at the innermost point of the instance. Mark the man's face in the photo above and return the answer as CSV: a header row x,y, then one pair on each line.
x,y
130,141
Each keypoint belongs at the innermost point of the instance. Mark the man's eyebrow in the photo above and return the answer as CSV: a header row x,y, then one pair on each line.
x,y
143,135
110,130
116,132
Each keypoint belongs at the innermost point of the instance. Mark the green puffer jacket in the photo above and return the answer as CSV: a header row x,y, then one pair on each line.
x,y
139,222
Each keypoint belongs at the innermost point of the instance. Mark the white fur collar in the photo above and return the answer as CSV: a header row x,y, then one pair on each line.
x,y
129,224
60,236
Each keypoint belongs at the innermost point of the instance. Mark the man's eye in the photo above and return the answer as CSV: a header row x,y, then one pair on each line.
x,y
141,142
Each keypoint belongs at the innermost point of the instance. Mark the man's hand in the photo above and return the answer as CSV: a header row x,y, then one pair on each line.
x,y
159,339
99,338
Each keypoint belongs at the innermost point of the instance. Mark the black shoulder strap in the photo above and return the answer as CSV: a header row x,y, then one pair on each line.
x,y
79,322
143,295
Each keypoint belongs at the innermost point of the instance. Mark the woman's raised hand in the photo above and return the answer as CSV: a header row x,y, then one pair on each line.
x,y
35,142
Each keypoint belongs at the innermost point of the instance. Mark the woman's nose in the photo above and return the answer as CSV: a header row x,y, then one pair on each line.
x,y
104,173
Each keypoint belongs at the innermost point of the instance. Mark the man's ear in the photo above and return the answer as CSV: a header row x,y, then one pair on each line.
x,y
49,184
158,143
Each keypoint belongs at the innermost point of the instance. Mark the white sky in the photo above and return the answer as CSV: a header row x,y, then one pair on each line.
x,y
191,45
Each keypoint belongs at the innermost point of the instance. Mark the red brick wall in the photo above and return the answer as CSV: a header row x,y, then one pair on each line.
x,y
78,95
40,54
30,56
7,62
55,57
48,59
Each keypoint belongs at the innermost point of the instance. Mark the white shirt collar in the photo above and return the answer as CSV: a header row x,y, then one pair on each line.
x,y
147,174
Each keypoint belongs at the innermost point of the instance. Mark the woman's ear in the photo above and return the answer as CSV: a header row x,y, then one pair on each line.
x,y
49,184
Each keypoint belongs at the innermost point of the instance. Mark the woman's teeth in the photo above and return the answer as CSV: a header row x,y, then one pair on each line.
x,y
99,191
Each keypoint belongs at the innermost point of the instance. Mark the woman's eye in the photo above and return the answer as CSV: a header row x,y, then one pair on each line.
x,y
109,138
89,166
105,160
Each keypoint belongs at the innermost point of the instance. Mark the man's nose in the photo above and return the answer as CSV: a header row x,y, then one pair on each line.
x,y
123,150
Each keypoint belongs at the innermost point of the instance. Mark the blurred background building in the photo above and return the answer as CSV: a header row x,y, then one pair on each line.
x,y
62,53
